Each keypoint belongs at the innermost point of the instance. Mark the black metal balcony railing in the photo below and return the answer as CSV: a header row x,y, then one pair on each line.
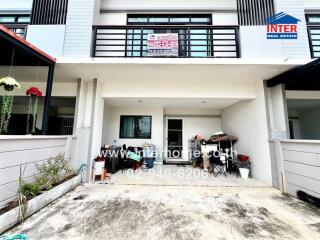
x,y
194,41
314,40
19,29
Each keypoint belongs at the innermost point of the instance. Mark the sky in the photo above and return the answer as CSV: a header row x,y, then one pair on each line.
x,y
15,4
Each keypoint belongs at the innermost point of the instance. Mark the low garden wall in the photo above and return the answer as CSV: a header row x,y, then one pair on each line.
x,y
296,166
20,154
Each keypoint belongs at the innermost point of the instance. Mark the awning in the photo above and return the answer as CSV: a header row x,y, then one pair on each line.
x,y
16,51
300,78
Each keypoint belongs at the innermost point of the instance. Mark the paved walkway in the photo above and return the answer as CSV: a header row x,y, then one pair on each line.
x,y
127,208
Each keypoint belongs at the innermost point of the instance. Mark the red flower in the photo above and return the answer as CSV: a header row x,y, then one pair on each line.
x,y
34,92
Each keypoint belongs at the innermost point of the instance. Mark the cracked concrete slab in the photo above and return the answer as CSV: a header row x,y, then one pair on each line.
x,y
151,211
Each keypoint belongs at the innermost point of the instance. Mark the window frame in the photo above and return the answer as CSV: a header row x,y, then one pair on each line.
x,y
135,137
169,17
16,18
312,23
313,26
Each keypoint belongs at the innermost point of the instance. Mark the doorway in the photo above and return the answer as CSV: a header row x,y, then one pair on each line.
x,y
174,140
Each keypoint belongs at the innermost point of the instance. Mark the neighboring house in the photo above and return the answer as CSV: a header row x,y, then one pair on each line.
x,y
105,78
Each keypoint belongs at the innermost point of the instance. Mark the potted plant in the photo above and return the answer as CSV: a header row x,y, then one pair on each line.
x,y
33,107
8,84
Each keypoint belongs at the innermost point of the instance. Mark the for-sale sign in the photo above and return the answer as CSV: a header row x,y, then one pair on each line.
x,y
163,45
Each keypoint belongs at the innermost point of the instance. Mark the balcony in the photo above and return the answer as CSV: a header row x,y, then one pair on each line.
x,y
314,40
19,29
193,41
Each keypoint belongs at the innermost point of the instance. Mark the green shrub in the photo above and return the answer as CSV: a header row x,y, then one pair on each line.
x,y
29,189
53,171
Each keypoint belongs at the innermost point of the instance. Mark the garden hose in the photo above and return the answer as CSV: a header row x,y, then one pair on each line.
x,y
16,237
81,170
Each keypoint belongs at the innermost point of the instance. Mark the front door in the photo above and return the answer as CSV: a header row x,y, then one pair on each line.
x,y
174,140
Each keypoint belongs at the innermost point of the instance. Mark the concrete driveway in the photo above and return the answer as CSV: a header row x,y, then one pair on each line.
x,y
124,210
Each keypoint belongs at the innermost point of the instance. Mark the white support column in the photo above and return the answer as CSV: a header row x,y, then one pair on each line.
x,y
96,123
77,108
278,112
80,129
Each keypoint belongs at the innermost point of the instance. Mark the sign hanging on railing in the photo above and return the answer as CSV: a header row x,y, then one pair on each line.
x,y
163,45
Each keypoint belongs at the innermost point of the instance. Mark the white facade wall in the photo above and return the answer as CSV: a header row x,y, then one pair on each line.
x,y
52,42
197,125
111,126
59,89
255,45
172,89
311,5
113,19
295,48
79,23
16,4
248,121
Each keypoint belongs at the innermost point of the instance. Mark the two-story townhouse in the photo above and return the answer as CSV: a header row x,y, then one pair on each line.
x,y
216,80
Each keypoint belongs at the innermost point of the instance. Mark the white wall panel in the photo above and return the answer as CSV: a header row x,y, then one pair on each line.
x,y
224,18
113,19
300,165
79,28
168,5
51,42
295,48
312,4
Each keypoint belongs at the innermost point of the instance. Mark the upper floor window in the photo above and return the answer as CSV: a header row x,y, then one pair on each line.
x,y
14,19
313,19
194,36
313,22
171,19
195,42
